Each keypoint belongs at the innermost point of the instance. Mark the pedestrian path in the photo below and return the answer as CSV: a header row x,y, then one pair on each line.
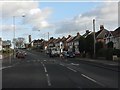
x,y
105,62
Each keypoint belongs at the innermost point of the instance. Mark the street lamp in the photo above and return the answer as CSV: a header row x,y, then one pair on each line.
x,y
94,37
14,22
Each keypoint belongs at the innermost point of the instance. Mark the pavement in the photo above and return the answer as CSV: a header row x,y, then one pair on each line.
x,y
105,62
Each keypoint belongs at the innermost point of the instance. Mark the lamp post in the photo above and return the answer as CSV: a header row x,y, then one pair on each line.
x,y
94,37
14,27
14,36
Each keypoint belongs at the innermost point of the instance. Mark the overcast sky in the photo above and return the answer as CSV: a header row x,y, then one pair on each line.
x,y
59,18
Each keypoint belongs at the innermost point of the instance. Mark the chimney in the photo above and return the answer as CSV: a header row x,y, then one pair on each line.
x,y
69,36
78,34
101,27
29,38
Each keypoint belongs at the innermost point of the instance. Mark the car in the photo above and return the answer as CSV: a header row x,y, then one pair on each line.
x,y
20,54
25,53
68,54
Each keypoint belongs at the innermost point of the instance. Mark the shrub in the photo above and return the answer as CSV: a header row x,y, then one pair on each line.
x,y
116,52
109,54
101,52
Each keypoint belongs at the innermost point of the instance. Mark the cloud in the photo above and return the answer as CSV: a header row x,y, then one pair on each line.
x,y
106,14
9,28
17,8
38,18
34,16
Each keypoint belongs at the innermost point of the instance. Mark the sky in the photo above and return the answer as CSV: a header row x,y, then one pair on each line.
x,y
59,18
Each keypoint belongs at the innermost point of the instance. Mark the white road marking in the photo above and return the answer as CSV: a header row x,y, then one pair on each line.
x,y
43,65
45,69
44,60
88,78
92,80
72,69
74,64
5,67
38,60
48,80
28,61
61,64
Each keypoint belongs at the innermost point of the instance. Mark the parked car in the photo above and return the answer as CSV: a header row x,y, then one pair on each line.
x,y
20,54
25,53
68,54
53,52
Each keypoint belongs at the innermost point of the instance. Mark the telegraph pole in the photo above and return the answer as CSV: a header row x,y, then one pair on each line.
x,y
14,36
94,37
48,36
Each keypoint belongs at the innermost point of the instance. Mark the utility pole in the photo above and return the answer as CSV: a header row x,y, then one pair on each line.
x,y
48,36
14,36
94,37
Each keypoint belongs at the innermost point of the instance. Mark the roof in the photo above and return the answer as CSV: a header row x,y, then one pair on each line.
x,y
57,40
77,37
69,39
101,34
116,33
63,39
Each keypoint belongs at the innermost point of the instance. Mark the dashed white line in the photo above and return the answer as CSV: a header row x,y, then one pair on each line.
x,y
44,60
72,69
42,64
28,61
48,80
74,64
61,64
45,69
92,80
38,60
34,60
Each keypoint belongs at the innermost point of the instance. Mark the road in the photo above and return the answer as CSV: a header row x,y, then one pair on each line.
x,y
37,70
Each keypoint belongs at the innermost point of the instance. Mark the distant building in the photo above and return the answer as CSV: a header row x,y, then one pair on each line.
x,y
6,44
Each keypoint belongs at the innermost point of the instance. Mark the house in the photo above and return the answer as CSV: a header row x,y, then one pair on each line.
x,y
114,37
0,44
50,43
63,46
69,42
58,44
76,43
86,34
101,35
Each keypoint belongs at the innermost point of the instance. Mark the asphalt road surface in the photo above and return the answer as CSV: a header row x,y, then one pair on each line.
x,y
38,70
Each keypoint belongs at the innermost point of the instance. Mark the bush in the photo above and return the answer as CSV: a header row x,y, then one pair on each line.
x,y
109,54
116,52
101,52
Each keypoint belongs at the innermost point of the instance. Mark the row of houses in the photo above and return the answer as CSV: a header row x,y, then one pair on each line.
x,y
71,43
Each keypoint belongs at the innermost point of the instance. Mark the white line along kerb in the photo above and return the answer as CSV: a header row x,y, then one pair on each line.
x,y
92,80
88,78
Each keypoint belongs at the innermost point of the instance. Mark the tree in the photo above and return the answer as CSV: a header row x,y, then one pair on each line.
x,y
90,44
82,44
110,45
99,45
